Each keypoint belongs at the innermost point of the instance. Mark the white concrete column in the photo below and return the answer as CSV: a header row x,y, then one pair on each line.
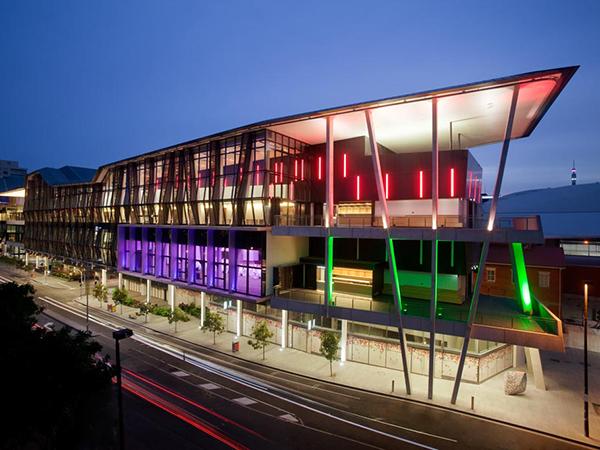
x,y
171,296
148,290
238,318
202,307
534,365
45,261
120,283
284,327
329,197
26,258
344,340
104,277
37,261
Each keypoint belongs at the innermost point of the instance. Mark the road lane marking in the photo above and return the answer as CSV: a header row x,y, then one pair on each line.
x,y
180,373
258,385
244,401
209,386
288,417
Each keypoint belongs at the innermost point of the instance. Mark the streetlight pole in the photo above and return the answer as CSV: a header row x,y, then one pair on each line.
x,y
87,302
586,406
123,333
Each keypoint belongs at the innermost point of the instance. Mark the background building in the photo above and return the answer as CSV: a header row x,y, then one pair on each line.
x,y
570,220
12,198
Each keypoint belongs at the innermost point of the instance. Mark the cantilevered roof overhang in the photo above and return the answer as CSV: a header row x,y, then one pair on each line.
x,y
469,115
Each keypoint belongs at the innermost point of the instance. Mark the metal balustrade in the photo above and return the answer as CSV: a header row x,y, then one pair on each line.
x,y
524,322
526,223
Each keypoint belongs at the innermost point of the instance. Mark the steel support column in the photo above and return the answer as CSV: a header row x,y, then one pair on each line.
x,y
385,217
434,244
503,155
329,198
486,244
470,320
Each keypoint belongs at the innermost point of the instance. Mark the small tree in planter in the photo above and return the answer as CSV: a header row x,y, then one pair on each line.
x,y
329,347
214,323
120,296
260,336
100,292
145,308
178,315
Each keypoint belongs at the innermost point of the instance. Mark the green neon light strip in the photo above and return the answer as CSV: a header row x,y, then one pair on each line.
x,y
451,253
522,281
420,252
329,269
396,285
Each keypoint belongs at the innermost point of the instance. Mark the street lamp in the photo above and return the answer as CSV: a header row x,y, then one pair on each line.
x,y
586,406
123,333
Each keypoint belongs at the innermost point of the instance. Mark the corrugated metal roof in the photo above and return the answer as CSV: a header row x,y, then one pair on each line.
x,y
66,175
12,182
536,255
565,212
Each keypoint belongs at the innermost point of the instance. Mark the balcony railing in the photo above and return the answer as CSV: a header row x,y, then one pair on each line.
x,y
528,223
456,313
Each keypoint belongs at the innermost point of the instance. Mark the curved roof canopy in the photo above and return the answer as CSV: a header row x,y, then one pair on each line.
x,y
469,115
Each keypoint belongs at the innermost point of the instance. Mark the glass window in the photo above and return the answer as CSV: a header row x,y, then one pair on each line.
x,y
544,279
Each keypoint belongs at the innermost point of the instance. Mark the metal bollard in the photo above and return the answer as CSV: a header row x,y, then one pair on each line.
x,y
472,402
393,382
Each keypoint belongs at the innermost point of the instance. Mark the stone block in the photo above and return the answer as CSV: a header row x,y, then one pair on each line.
x,y
515,382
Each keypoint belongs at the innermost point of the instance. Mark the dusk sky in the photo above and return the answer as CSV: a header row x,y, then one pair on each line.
x,y
86,83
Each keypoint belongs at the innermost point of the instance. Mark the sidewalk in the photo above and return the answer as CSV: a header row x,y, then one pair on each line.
x,y
559,410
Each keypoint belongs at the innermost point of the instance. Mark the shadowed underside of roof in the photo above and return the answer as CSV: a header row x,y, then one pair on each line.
x,y
469,115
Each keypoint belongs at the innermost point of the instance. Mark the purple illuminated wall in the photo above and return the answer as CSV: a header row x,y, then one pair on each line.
x,y
180,255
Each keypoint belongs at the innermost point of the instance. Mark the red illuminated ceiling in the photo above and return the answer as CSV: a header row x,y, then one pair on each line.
x,y
468,116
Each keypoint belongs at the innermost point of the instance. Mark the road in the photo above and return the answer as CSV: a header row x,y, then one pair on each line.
x,y
220,401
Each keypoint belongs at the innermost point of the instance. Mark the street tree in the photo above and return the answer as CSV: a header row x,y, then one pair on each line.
x,y
329,347
60,396
260,336
178,315
214,323
120,296
145,309
100,292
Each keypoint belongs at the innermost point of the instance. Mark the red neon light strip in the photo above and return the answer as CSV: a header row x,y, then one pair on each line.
x,y
387,186
319,171
452,182
302,170
345,166
191,402
469,186
357,187
295,170
256,175
186,418
420,184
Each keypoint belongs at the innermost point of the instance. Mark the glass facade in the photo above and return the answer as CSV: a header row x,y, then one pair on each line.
x,y
228,261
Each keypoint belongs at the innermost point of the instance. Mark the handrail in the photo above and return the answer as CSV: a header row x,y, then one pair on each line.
x,y
525,223
516,322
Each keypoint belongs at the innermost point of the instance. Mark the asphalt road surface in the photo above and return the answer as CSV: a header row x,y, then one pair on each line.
x,y
179,395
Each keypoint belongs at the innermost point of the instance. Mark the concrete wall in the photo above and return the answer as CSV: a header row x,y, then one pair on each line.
x,y
574,337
